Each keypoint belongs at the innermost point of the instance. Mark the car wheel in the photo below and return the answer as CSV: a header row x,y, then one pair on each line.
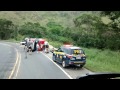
x,y
53,58
63,64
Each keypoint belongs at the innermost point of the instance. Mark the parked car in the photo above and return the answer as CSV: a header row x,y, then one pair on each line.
x,y
22,42
69,55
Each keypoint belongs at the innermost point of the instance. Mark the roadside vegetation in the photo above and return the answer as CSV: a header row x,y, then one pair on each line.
x,y
102,60
98,33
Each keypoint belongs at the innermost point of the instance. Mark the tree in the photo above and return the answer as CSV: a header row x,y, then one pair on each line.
x,y
113,41
87,29
32,30
6,28
54,28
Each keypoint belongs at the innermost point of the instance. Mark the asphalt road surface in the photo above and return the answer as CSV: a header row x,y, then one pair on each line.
x,y
35,66
38,66
7,60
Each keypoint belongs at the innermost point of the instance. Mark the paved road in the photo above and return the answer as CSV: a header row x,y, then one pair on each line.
x,y
36,66
40,66
45,60
7,60
73,71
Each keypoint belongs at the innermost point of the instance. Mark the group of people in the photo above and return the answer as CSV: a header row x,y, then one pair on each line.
x,y
38,47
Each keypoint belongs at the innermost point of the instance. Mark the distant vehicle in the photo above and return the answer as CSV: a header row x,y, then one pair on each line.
x,y
22,42
69,55
40,42
100,76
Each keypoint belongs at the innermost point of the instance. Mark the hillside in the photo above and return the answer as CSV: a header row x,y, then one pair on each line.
x,y
65,18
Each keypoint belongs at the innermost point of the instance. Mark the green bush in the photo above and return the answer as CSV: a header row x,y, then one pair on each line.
x,y
19,37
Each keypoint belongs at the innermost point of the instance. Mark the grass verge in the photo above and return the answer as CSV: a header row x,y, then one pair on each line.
x,y
98,60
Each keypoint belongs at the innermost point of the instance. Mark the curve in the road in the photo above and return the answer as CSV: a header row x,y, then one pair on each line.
x,y
18,66
24,72
16,61
15,70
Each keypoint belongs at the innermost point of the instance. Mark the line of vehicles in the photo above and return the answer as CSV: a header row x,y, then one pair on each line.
x,y
34,41
66,55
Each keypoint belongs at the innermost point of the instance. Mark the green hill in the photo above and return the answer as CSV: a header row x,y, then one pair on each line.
x,y
65,18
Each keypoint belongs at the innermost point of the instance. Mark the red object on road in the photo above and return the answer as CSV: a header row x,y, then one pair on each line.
x,y
41,43
39,49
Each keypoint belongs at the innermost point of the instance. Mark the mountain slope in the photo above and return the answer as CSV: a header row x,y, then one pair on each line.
x,y
64,18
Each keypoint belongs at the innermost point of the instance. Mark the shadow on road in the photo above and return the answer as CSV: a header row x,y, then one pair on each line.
x,y
72,67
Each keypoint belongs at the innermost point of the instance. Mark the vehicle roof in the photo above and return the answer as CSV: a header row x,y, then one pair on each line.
x,y
41,39
71,47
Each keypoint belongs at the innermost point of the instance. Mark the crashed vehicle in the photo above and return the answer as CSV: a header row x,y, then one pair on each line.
x,y
33,43
69,55
41,44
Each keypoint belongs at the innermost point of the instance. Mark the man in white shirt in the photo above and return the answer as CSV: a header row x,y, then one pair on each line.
x,y
46,45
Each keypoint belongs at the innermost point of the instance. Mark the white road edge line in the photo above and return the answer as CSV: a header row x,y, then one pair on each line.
x,y
58,66
18,65
14,65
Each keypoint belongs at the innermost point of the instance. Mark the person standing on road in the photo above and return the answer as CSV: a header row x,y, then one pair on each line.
x,y
26,41
46,45
29,46
38,47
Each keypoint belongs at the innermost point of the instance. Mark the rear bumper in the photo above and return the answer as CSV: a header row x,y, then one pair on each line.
x,y
77,62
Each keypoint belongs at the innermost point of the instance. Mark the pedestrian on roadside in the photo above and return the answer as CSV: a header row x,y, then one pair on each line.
x,y
38,47
46,46
29,46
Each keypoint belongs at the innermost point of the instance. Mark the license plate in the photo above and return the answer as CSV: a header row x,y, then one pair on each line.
x,y
78,57
78,62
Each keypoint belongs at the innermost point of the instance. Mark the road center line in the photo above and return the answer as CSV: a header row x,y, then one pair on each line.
x,y
14,65
58,66
18,65
15,62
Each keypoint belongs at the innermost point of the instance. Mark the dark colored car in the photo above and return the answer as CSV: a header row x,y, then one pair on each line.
x,y
69,55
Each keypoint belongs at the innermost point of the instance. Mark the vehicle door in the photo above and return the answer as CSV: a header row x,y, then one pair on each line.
x,y
59,54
